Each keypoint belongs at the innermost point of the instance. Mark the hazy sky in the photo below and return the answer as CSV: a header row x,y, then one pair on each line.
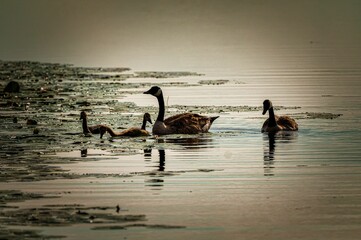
x,y
172,34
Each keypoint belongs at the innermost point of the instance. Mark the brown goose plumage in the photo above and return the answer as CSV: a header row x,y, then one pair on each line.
x,y
184,123
95,129
277,123
189,123
130,132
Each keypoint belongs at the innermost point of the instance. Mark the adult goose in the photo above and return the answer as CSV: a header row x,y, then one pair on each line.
x,y
277,123
95,129
131,132
184,123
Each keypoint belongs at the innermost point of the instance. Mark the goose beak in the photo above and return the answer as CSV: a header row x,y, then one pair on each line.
x,y
147,92
150,120
264,111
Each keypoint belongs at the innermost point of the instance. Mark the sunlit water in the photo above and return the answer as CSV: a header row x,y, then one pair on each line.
x,y
235,182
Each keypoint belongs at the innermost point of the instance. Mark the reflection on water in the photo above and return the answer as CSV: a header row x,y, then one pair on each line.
x,y
200,141
155,180
305,181
161,160
270,141
147,154
84,152
191,143
269,155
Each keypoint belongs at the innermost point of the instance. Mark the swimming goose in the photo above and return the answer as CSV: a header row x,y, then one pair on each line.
x,y
89,129
131,132
277,123
184,123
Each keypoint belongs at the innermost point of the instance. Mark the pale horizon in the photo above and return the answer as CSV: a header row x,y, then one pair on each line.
x,y
183,35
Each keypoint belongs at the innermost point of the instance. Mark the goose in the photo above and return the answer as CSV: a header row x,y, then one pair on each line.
x,y
277,123
89,129
184,123
130,132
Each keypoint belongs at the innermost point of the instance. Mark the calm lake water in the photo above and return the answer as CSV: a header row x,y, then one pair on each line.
x,y
235,182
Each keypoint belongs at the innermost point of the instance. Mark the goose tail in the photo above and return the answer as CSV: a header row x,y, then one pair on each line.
x,y
214,118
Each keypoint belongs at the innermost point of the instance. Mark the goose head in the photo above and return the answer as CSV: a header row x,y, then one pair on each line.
x,y
267,104
155,91
82,115
147,118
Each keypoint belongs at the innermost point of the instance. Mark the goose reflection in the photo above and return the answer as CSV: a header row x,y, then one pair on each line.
x,y
147,154
199,142
84,152
155,180
272,140
268,155
148,157
161,167
156,176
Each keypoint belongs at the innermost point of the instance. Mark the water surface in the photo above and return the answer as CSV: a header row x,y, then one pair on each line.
x,y
233,182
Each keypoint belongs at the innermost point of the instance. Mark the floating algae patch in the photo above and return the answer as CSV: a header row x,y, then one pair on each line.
x,y
40,168
58,87
173,84
59,215
241,108
165,74
54,215
18,234
220,109
22,168
313,115
46,216
7,196
138,225
171,109
213,82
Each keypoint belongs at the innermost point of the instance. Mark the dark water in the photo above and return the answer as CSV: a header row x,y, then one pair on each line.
x,y
234,182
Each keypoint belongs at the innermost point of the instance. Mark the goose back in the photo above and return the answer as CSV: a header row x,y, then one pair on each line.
x,y
285,123
184,123
130,132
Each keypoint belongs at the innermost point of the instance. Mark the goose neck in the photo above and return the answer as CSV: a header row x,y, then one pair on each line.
x,y
85,125
161,108
272,118
144,124
111,132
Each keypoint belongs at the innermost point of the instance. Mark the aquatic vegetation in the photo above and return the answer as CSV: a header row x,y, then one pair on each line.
x,y
53,215
42,132
16,234
124,227
64,216
315,115
7,196
310,115
213,82
165,74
